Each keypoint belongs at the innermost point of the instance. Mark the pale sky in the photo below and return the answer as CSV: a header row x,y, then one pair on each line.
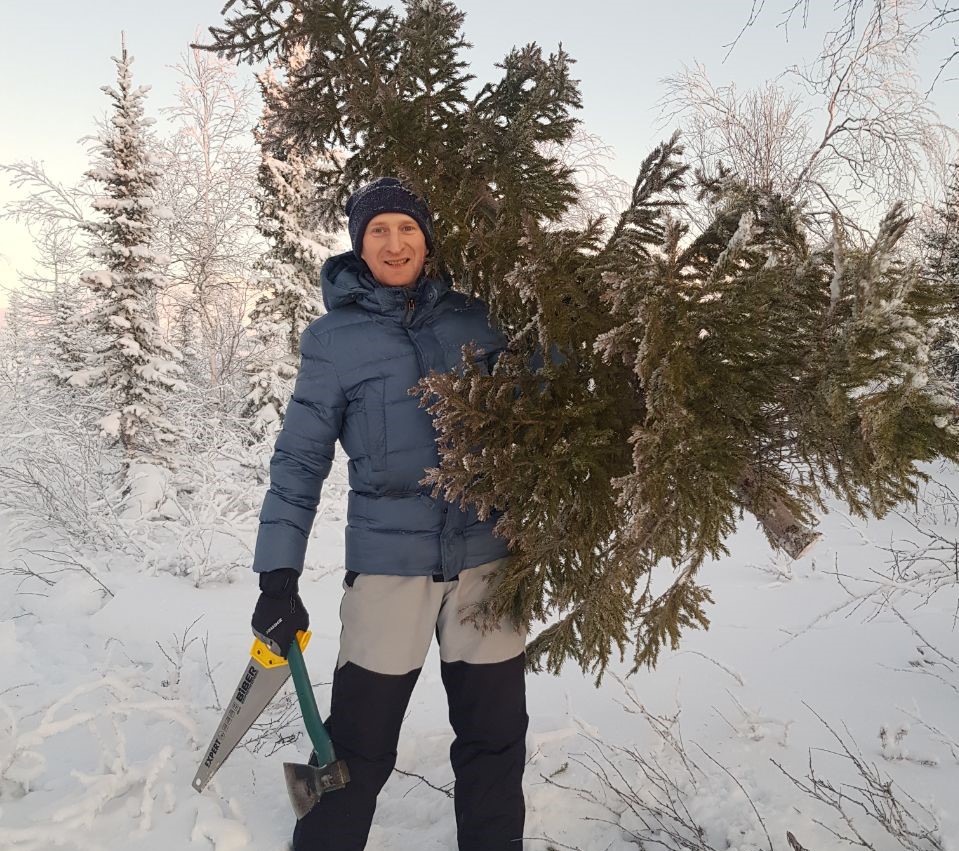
x,y
56,55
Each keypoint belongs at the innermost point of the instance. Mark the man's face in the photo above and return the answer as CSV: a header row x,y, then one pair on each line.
x,y
394,248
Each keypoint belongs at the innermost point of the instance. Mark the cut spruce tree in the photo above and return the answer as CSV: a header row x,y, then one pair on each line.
x,y
941,244
660,381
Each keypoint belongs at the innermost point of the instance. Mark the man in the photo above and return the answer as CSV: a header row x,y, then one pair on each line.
x,y
413,562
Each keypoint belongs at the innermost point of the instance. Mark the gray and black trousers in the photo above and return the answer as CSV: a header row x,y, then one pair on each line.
x,y
388,623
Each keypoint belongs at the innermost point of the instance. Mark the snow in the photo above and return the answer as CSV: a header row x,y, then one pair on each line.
x,y
110,424
149,486
106,703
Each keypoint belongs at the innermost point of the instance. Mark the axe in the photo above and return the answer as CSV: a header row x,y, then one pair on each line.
x,y
306,783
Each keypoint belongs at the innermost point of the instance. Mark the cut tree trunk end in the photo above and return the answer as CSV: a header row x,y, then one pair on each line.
x,y
782,528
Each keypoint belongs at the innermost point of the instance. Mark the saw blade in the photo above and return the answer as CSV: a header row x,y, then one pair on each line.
x,y
264,676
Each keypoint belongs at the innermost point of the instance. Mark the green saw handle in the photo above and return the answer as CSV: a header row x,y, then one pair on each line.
x,y
311,715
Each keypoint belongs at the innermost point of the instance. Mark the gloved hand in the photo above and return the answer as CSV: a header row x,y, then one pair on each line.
x,y
279,613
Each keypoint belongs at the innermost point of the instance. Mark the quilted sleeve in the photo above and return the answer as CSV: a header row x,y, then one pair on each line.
x,y
301,458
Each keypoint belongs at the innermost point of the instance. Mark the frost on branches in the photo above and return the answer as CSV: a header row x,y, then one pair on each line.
x,y
289,273
132,362
52,301
208,183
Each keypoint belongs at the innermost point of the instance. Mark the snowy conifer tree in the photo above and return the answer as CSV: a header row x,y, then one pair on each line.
x,y
54,300
289,273
702,372
136,366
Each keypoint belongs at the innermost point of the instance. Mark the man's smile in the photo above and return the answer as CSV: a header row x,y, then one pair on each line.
x,y
394,248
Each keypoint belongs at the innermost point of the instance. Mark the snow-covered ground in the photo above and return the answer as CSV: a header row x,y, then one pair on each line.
x,y
106,702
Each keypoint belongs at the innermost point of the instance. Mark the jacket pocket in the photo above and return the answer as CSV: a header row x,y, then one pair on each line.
x,y
374,402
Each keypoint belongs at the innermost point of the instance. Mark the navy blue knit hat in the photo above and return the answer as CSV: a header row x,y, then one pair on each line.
x,y
386,195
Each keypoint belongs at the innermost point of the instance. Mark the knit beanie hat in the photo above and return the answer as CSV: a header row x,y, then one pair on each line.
x,y
385,195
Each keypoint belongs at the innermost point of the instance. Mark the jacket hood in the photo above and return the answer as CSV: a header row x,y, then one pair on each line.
x,y
345,279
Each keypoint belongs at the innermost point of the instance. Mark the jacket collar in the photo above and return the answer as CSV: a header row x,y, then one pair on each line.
x,y
345,279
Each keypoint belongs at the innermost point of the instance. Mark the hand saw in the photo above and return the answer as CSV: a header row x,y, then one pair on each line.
x,y
264,676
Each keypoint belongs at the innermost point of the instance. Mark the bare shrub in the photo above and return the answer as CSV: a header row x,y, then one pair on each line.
x,y
56,470
869,800
664,796
653,794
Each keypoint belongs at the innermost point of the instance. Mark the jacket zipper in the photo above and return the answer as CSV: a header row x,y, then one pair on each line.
x,y
421,363
407,322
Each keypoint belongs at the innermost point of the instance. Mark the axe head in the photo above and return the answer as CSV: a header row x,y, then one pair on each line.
x,y
306,783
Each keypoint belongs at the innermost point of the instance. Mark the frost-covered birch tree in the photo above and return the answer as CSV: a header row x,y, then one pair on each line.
x,y
133,362
289,272
849,133
848,19
208,183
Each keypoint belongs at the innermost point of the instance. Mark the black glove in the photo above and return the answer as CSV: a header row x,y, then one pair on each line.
x,y
279,613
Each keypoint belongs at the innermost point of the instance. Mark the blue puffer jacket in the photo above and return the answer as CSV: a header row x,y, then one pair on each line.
x,y
358,363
